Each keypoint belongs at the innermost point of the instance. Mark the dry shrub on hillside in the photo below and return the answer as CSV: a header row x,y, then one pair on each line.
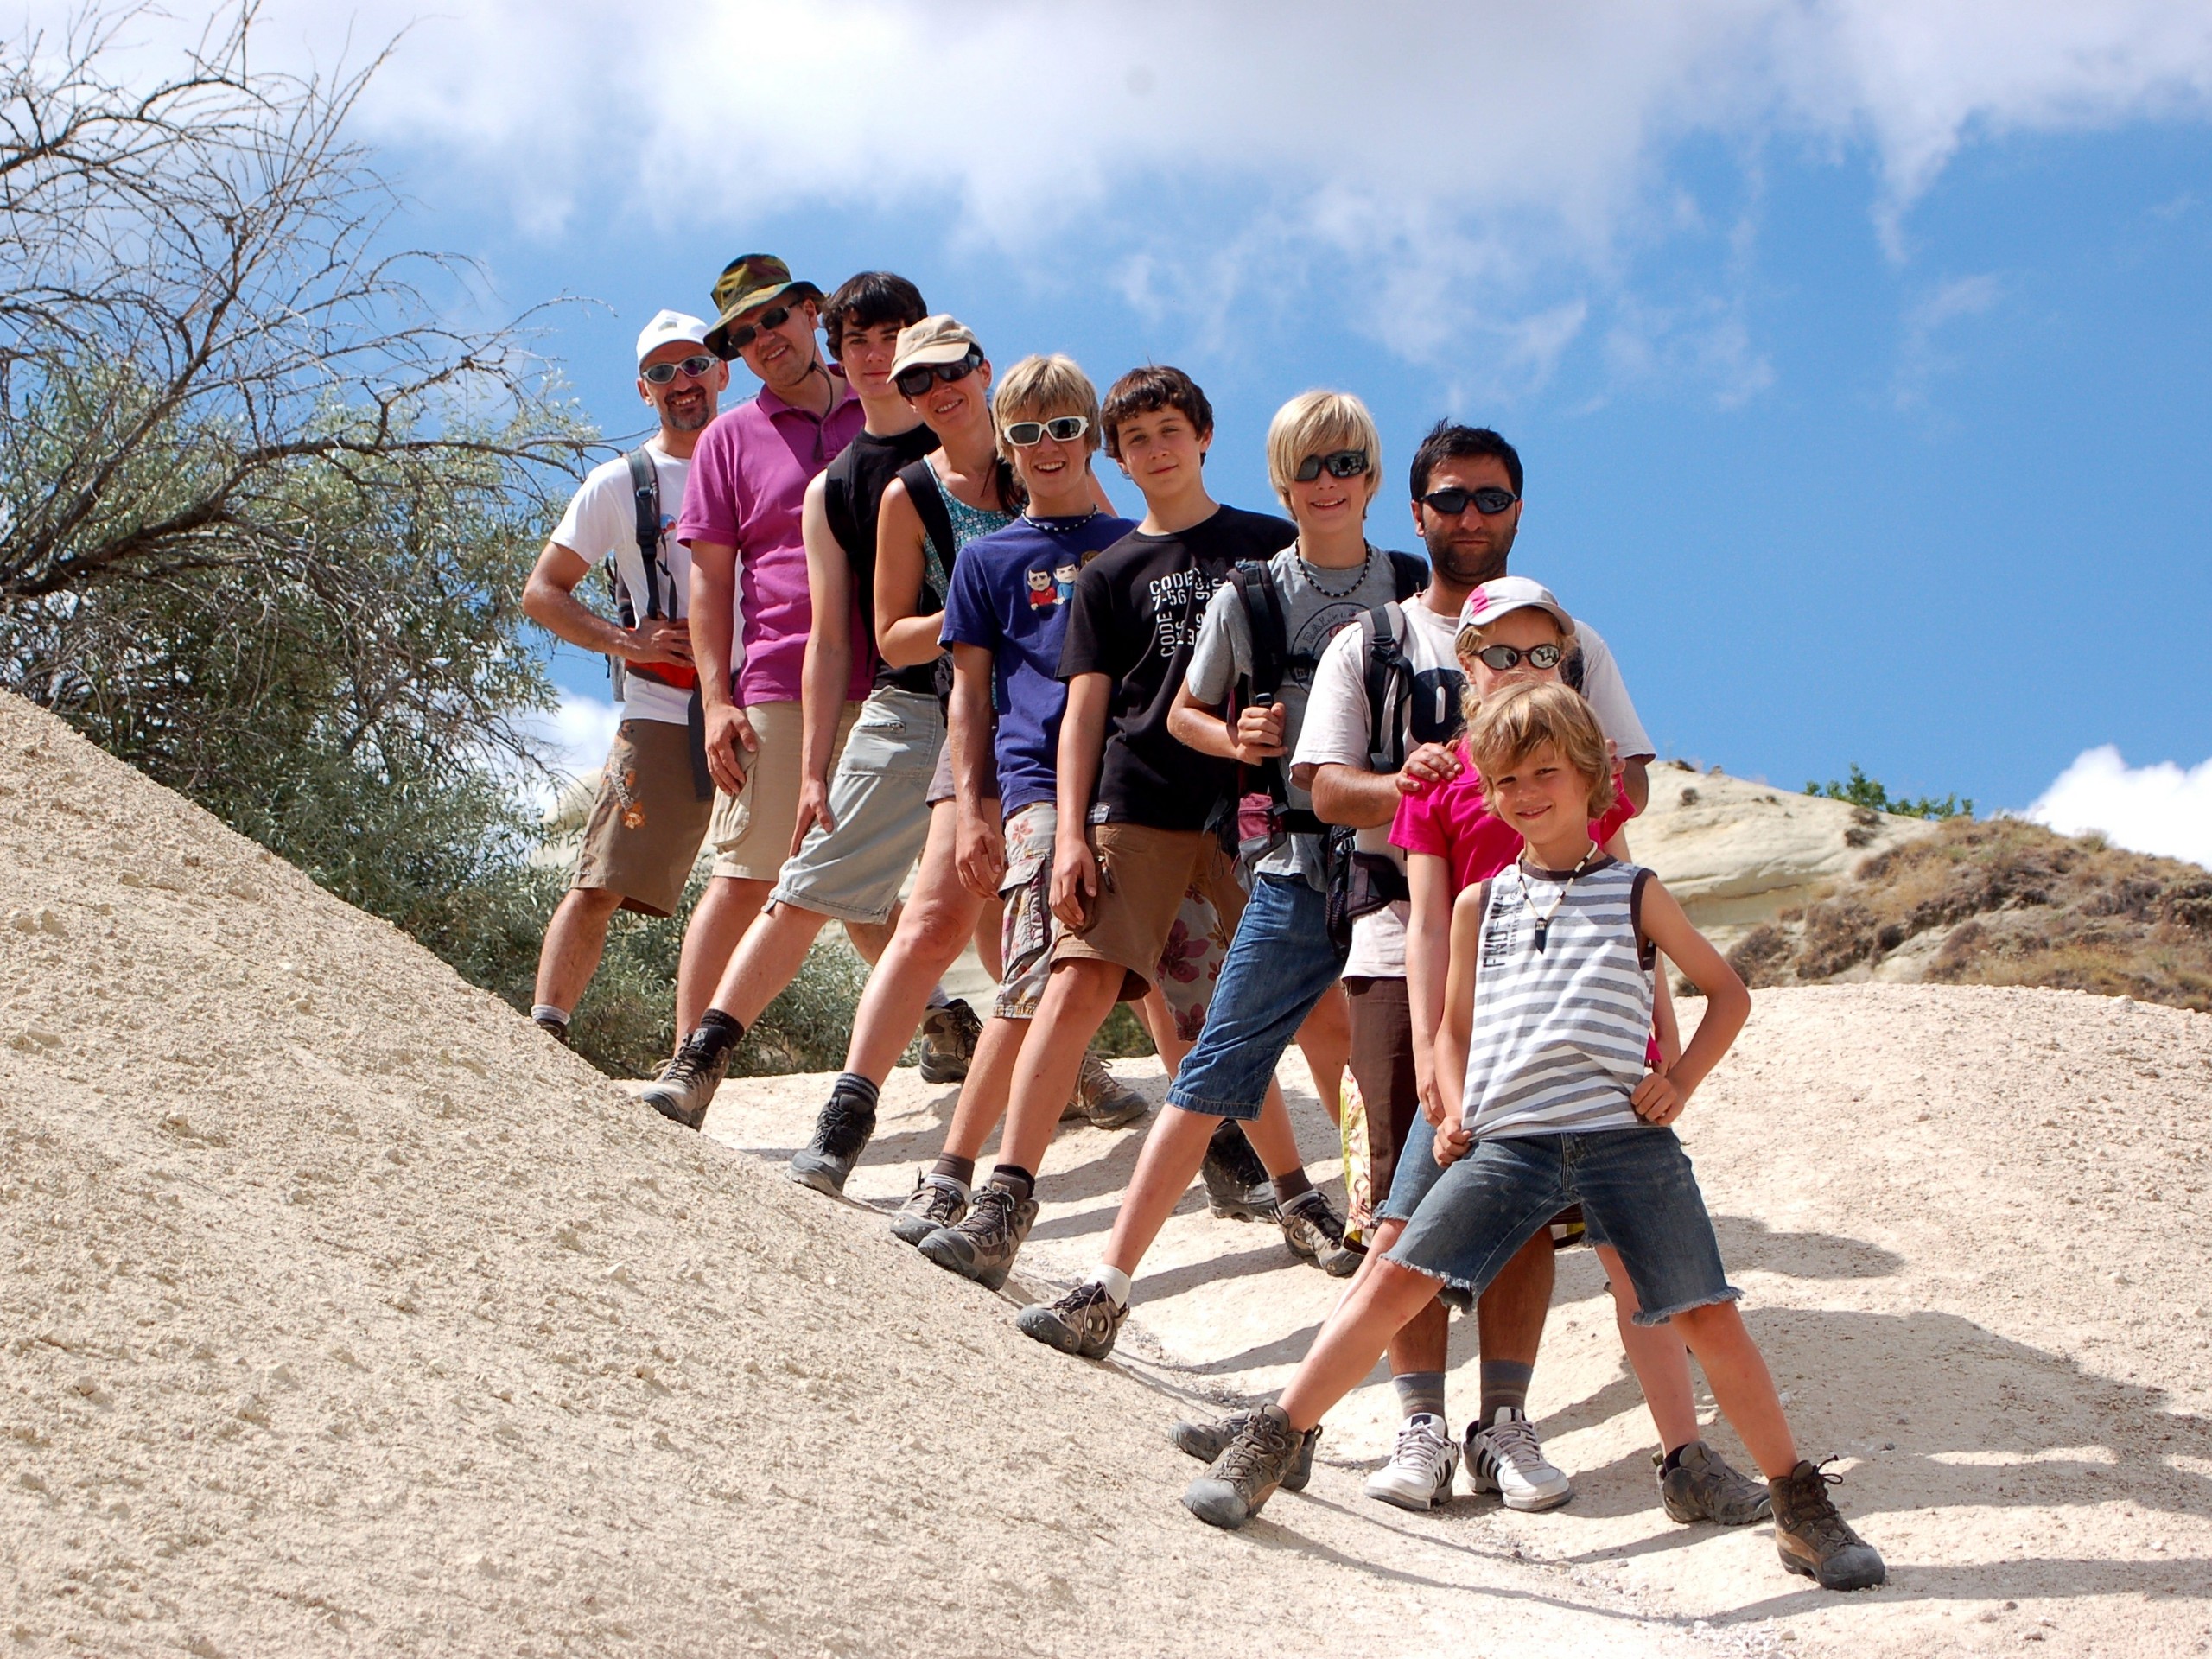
x,y
2017,904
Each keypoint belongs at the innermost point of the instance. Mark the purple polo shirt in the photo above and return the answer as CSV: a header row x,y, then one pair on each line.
x,y
747,486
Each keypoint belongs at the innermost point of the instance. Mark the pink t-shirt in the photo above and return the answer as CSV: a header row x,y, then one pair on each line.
x,y
1451,821
747,486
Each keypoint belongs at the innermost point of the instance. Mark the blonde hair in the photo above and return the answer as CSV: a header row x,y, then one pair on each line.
x,y
1041,386
1318,422
1522,719
1470,641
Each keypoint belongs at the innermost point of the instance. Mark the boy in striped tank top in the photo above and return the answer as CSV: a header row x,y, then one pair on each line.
x,y
1541,1062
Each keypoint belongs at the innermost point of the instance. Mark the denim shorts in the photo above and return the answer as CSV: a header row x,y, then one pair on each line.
x,y
1635,1186
1278,966
853,872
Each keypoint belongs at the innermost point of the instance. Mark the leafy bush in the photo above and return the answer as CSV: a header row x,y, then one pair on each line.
x,y
1860,790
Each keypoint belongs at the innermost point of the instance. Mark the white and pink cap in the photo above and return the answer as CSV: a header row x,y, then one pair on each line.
x,y
1507,594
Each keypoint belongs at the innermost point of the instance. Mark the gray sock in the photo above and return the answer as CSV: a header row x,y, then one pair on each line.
x,y
1419,1392
1505,1384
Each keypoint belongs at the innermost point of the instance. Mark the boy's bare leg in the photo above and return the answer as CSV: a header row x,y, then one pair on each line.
x,y
1326,1041
936,927
717,926
983,1095
769,957
1742,1385
1510,1314
1077,998
990,939
1656,1354
1381,1298
1172,1153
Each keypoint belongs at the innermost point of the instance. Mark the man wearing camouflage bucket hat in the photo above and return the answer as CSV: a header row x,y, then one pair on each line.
x,y
750,610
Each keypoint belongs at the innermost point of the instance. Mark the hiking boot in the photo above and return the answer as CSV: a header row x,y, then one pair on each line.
x,y
1206,1441
1814,1540
983,1244
949,1037
1418,1474
686,1085
1102,1097
1245,1475
1237,1181
1505,1456
1084,1322
1702,1487
1315,1233
937,1201
840,1135
557,1029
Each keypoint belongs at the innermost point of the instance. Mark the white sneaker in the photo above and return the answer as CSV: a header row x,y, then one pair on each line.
x,y
1506,1457
1418,1474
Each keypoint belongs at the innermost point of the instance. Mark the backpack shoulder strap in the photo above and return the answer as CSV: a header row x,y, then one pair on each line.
x,y
1408,575
644,494
928,496
1264,622
1386,672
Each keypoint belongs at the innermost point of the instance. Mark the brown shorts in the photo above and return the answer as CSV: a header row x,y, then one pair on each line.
x,y
1168,906
752,830
1382,1065
647,821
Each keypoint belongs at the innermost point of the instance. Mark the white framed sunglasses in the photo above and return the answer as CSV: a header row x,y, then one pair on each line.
x,y
694,368
1062,428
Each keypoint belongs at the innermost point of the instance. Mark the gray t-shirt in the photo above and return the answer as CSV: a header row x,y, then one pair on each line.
x,y
1316,603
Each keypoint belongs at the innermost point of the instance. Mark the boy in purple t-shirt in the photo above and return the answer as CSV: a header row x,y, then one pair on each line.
x,y
1005,621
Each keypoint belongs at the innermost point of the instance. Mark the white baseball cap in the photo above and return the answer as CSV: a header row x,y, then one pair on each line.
x,y
668,328
1509,593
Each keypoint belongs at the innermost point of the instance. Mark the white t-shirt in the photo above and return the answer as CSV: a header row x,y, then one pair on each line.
x,y
603,521
1335,733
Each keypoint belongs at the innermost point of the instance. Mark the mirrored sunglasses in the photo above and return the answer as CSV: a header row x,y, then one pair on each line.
x,y
694,368
1453,503
1501,658
746,332
1064,428
1340,463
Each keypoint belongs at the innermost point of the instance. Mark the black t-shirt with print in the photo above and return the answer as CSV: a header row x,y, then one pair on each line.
x,y
1135,617
852,500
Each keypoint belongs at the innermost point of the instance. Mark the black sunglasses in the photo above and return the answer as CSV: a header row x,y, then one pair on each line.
x,y
1453,503
694,368
912,382
1501,658
1341,463
746,332
1065,428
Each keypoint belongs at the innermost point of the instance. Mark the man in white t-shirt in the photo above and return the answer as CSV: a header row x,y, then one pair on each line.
x,y
655,794
1466,489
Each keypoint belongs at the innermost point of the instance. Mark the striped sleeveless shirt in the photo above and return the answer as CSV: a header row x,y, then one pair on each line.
x,y
1557,1043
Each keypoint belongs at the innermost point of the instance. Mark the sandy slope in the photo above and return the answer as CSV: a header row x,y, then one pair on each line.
x,y
338,1312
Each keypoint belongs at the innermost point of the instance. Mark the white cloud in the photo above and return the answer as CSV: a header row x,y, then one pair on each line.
x,y
2154,808
577,736
1481,168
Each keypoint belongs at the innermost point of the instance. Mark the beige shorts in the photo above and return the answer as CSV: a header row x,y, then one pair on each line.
x,y
646,821
1167,908
752,830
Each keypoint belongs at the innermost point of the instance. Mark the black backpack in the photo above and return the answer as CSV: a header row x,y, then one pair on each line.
x,y
644,495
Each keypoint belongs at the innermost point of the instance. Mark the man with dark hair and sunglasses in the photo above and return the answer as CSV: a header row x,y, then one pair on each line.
x,y
1242,701
751,612
654,795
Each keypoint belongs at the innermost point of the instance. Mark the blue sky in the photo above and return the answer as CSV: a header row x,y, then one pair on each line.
x,y
1859,352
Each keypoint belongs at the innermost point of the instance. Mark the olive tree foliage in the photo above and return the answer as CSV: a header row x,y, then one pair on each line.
x,y
265,511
